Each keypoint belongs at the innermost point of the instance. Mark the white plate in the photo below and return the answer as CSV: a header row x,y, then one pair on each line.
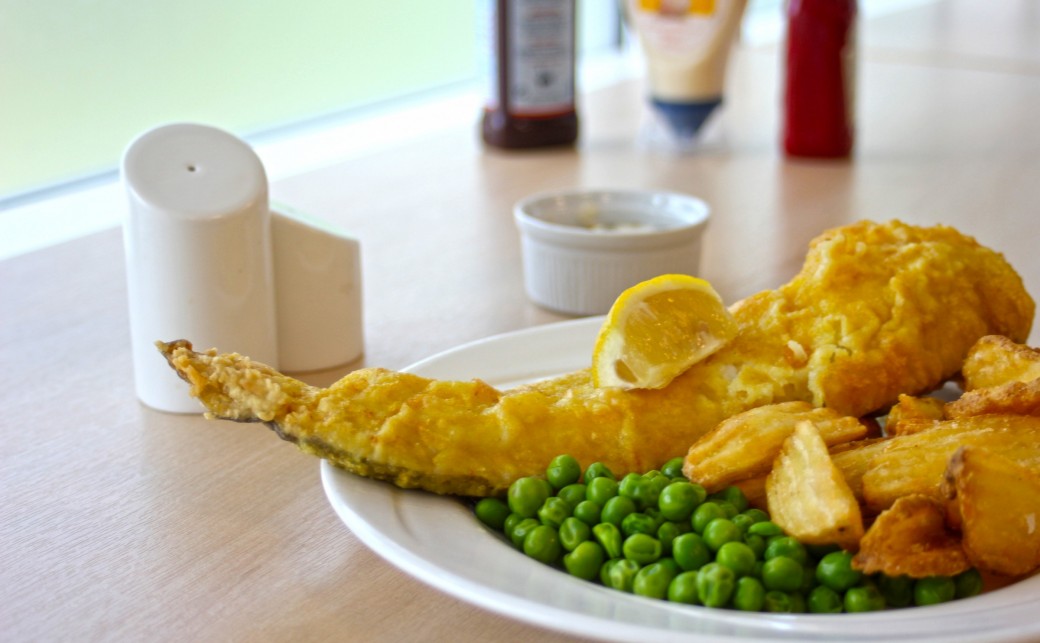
x,y
439,541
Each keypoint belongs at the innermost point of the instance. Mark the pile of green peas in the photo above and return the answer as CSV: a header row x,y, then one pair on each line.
x,y
660,536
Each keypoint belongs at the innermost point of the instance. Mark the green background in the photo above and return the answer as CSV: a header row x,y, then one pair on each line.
x,y
80,78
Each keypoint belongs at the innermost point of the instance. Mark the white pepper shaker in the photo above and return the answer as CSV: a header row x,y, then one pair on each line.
x,y
198,253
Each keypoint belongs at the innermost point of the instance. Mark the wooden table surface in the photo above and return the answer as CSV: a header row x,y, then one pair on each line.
x,y
122,523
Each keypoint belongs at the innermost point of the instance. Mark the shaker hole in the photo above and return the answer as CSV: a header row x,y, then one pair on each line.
x,y
192,167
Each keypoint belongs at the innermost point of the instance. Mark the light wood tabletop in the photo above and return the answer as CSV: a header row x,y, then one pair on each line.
x,y
122,523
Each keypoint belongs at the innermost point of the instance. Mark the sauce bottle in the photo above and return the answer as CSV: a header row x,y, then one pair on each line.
x,y
531,98
819,99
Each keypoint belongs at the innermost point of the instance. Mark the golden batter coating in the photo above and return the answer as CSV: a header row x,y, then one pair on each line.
x,y
876,311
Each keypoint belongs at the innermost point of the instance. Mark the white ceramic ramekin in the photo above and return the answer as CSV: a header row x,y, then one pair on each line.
x,y
582,248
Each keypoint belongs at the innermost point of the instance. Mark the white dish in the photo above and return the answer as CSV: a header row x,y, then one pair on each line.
x,y
582,248
439,541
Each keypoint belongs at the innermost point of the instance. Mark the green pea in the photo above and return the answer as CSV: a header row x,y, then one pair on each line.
x,y
574,494
512,520
615,510
655,514
934,590
609,537
835,571
562,471
520,531
705,513
641,490
573,533
638,523
598,470
756,543
600,490
679,499
628,484
783,602
585,560
543,544
622,575
898,591
766,529
824,600
527,495
673,468
749,595
683,588
715,584
588,512
737,556
668,532
757,570
786,546
653,580
756,515
690,552
604,569
728,508
554,511
782,573
492,512
642,548
864,598
670,563
658,484
968,583
743,522
719,532
734,496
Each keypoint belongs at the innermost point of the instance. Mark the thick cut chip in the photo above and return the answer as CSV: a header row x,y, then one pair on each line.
x,y
913,414
807,496
998,501
657,329
1000,376
995,360
911,539
746,444
1013,398
915,464
854,459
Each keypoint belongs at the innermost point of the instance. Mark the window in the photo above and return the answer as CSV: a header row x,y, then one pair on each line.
x,y
81,79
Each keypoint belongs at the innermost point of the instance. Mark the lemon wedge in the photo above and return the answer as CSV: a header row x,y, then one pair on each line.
x,y
657,329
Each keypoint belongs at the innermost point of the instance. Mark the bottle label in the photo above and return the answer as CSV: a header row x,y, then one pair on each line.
x,y
540,57
679,27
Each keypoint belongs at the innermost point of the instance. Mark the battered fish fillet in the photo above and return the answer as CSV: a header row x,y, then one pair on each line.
x,y
877,310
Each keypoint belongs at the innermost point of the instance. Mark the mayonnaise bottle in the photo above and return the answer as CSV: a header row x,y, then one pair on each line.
x,y
687,45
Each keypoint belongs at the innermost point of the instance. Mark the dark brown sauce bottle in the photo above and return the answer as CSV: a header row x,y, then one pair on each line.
x,y
531,102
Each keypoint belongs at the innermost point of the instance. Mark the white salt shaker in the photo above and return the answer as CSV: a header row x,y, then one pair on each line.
x,y
317,276
198,253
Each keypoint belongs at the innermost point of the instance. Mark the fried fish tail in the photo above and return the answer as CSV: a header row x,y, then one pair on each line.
x,y
464,438
233,387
